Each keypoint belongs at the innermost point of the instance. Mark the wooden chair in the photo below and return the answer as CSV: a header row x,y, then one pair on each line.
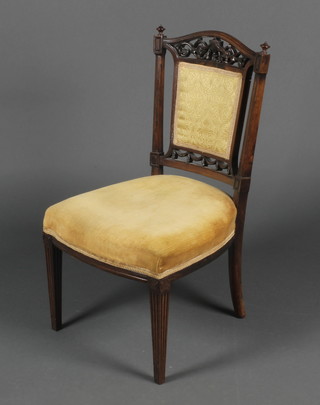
x,y
159,228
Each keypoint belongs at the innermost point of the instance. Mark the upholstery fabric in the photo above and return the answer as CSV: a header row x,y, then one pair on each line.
x,y
206,108
153,225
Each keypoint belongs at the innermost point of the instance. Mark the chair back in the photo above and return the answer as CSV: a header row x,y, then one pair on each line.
x,y
210,119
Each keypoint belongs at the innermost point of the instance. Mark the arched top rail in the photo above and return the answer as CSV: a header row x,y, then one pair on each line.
x,y
215,46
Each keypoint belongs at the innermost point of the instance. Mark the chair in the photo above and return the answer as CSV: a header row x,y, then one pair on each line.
x,y
159,228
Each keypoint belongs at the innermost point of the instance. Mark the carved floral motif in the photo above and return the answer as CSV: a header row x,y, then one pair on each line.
x,y
213,48
200,160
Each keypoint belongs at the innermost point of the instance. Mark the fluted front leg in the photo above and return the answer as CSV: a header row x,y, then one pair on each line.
x,y
235,259
54,273
159,301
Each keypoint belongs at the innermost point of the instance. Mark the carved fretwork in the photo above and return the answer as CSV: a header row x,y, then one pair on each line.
x,y
211,48
201,160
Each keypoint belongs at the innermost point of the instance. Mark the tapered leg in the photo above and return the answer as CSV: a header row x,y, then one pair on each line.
x,y
54,272
235,259
159,301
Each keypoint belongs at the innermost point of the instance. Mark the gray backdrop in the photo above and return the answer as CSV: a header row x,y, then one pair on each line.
x,y
76,93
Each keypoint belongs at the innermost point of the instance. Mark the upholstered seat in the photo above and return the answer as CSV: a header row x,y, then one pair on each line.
x,y
153,225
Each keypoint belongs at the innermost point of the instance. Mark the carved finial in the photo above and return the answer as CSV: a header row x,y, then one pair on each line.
x,y
160,30
265,46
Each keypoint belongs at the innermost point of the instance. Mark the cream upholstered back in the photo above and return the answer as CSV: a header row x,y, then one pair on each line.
x,y
215,109
206,108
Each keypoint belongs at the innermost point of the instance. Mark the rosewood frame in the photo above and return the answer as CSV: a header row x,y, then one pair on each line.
x,y
238,176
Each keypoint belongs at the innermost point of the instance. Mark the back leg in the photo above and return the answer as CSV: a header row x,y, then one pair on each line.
x,y
235,260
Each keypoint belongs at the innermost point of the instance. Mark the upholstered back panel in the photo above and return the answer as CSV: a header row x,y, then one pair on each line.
x,y
206,108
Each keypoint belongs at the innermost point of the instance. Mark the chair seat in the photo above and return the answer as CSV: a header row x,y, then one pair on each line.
x,y
154,225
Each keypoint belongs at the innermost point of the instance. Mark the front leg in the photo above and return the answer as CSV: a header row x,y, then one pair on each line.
x,y
54,273
159,303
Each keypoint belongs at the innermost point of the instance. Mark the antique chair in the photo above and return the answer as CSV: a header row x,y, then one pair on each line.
x,y
159,228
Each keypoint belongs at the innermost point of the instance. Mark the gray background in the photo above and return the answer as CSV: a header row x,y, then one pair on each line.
x,y
75,115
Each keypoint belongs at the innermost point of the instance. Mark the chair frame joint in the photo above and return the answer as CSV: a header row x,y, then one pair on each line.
x,y
46,237
155,158
242,183
261,63
158,48
160,286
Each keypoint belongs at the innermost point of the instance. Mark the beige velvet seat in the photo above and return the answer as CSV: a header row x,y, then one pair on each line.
x,y
149,225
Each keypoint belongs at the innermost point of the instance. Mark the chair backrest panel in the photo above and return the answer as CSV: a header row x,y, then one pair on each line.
x,y
206,109
212,76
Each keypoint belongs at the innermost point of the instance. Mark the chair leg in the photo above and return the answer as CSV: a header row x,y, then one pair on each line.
x,y
235,255
54,273
159,302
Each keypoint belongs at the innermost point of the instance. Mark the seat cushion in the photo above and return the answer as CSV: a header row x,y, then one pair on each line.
x,y
154,225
